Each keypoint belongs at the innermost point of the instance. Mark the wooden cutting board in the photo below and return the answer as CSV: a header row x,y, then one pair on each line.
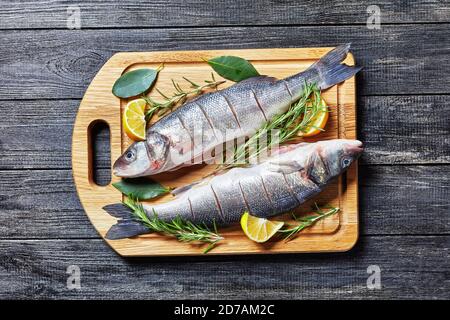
x,y
336,233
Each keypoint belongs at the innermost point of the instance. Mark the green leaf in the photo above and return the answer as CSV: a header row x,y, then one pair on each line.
x,y
233,68
134,83
140,188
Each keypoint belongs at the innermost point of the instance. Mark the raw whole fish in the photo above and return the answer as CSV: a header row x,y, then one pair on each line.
x,y
281,183
200,125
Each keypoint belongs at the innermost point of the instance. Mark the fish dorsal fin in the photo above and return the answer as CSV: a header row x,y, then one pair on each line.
x,y
183,189
285,166
257,79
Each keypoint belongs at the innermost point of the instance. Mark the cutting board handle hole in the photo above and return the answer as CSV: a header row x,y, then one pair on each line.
x,y
100,153
344,182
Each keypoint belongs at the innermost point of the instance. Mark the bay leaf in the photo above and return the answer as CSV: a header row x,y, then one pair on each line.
x,y
140,188
233,68
133,83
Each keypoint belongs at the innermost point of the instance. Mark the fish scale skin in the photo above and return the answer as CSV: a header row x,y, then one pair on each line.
x,y
205,206
217,109
170,210
177,133
248,113
197,124
211,118
264,190
224,115
235,196
302,188
279,192
255,195
273,97
230,198
242,108
277,185
296,82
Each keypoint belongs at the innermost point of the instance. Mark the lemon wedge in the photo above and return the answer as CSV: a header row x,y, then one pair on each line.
x,y
133,119
318,122
259,229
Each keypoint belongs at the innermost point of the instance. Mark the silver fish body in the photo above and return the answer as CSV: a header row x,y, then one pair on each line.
x,y
278,185
196,128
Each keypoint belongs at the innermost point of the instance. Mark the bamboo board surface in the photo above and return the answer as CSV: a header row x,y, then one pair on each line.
x,y
336,233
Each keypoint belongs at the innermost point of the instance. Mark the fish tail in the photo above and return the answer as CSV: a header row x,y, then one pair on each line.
x,y
126,226
330,68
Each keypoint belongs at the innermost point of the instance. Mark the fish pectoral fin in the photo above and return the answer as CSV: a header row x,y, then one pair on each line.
x,y
284,166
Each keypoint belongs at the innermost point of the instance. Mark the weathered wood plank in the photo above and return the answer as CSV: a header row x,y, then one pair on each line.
x,y
106,14
41,204
401,129
393,200
38,134
411,268
404,129
404,199
61,63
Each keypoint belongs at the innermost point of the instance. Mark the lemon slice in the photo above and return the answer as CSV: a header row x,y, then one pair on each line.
x,y
259,229
318,122
133,119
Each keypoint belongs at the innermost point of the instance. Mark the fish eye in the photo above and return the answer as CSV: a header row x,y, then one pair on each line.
x,y
346,162
129,155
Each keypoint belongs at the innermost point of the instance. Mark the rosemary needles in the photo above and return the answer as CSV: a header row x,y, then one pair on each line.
x,y
183,230
286,126
186,231
179,96
305,222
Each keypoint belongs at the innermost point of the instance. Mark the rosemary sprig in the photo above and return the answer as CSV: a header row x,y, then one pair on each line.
x,y
305,222
287,125
183,230
179,96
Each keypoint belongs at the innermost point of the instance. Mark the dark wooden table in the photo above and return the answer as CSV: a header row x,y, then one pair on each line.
x,y
403,119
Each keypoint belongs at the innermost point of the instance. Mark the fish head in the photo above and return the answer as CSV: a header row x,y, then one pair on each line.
x,y
133,162
143,158
330,158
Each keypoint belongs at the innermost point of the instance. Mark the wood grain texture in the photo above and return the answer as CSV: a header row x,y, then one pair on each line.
x,y
392,129
337,233
140,13
406,129
411,268
405,199
38,134
38,64
395,200
408,59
